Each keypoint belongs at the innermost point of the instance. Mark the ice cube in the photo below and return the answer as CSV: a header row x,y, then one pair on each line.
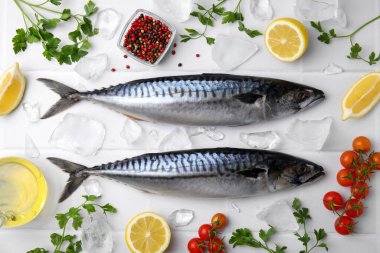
x,y
79,134
108,21
332,69
261,9
32,111
92,187
181,218
210,132
341,18
92,67
177,139
311,134
261,140
96,233
280,216
154,135
229,51
320,10
235,207
31,149
180,10
131,131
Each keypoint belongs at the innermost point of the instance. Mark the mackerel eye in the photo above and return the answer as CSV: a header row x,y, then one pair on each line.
x,y
303,95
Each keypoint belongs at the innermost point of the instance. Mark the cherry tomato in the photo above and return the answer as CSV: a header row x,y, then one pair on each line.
x,y
216,246
347,158
195,245
354,208
361,144
219,221
333,201
344,225
360,190
206,231
375,160
363,172
345,178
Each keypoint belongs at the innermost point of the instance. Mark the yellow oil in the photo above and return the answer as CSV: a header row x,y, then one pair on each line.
x,y
23,190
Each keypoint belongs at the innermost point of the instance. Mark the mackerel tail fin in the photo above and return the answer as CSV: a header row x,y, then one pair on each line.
x,y
64,92
77,176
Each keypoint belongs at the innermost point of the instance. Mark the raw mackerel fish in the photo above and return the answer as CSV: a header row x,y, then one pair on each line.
x,y
210,173
204,100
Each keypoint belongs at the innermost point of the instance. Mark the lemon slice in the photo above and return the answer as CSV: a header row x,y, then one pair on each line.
x,y
12,87
286,39
147,233
362,96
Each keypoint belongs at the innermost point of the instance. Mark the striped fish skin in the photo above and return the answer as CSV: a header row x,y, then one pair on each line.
x,y
212,173
208,99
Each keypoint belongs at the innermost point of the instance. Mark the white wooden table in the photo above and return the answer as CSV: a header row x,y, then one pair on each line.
x,y
307,70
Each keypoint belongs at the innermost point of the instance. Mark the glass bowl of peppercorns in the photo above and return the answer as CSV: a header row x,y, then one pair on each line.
x,y
146,37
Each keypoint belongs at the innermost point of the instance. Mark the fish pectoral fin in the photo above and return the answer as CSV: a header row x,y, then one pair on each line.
x,y
252,173
248,98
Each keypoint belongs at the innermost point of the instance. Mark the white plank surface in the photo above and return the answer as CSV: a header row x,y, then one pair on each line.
x,y
129,201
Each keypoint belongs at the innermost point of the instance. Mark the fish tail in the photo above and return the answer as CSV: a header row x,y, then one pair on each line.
x,y
77,175
64,92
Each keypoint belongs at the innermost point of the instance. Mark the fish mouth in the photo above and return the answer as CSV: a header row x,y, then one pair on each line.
x,y
315,177
318,97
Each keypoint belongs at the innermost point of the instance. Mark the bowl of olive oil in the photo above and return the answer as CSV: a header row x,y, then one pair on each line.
x,y
23,191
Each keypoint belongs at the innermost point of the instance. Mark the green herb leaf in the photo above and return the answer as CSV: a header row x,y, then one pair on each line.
x,y
38,250
210,40
90,8
217,10
62,219
320,234
55,239
108,208
192,32
55,2
19,41
89,207
317,25
33,35
66,14
355,50
243,236
296,204
49,23
90,197
265,236
77,222
323,245
200,7
228,17
75,35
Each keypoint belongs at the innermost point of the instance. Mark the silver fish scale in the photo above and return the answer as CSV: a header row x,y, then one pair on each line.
x,y
183,164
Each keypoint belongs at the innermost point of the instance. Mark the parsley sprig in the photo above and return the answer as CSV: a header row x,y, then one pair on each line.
x,y
68,243
207,17
244,236
38,26
302,215
327,36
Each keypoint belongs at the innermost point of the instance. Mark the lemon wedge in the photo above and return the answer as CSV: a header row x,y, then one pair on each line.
x,y
362,96
147,233
286,39
12,87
